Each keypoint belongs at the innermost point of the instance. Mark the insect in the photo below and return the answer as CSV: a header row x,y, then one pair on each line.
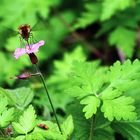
x,y
43,126
25,34
25,31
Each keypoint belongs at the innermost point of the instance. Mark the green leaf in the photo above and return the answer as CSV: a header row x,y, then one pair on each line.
x,y
20,138
121,79
110,93
6,114
128,129
36,135
109,86
92,103
124,39
82,126
3,103
26,122
119,108
26,10
21,97
68,126
122,75
9,99
52,133
76,91
83,82
59,79
64,66
6,117
84,76
111,7
91,15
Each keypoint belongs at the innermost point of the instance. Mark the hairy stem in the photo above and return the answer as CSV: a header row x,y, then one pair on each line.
x,y
91,128
45,87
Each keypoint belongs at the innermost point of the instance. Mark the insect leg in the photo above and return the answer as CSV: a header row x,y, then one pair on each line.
x,y
32,38
21,42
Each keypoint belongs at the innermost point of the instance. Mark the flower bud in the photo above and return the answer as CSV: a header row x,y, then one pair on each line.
x,y
33,58
24,76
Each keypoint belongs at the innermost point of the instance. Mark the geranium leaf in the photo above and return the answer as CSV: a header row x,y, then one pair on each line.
x,y
92,103
26,122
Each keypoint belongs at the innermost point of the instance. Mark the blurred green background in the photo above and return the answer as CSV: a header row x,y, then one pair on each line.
x,y
107,30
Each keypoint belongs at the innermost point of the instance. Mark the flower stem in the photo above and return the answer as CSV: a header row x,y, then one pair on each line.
x,y
91,128
43,81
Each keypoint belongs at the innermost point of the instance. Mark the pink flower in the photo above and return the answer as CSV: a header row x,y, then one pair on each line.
x,y
29,49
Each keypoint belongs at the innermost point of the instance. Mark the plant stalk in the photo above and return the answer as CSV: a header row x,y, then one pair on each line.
x,y
91,128
45,87
43,81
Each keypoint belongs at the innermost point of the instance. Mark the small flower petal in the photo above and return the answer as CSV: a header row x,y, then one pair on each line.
x,y
29,49
19,52
34,47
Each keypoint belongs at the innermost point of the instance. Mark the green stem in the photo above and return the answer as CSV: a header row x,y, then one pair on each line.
x,y
43,81
1,131
91,128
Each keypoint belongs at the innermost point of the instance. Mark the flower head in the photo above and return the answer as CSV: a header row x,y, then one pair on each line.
x,y
29,49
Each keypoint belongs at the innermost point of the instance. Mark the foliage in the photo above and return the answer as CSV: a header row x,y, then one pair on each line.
x,y
59,78
83,126
113,15
26,122
7,114
88,17
114,6
117,39
26,125
107,88
91,68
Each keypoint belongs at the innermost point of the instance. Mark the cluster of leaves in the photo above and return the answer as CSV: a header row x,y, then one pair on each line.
x,y
113,17
19,121
94,85
102,100
54,27
104,94
58,80
34,14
